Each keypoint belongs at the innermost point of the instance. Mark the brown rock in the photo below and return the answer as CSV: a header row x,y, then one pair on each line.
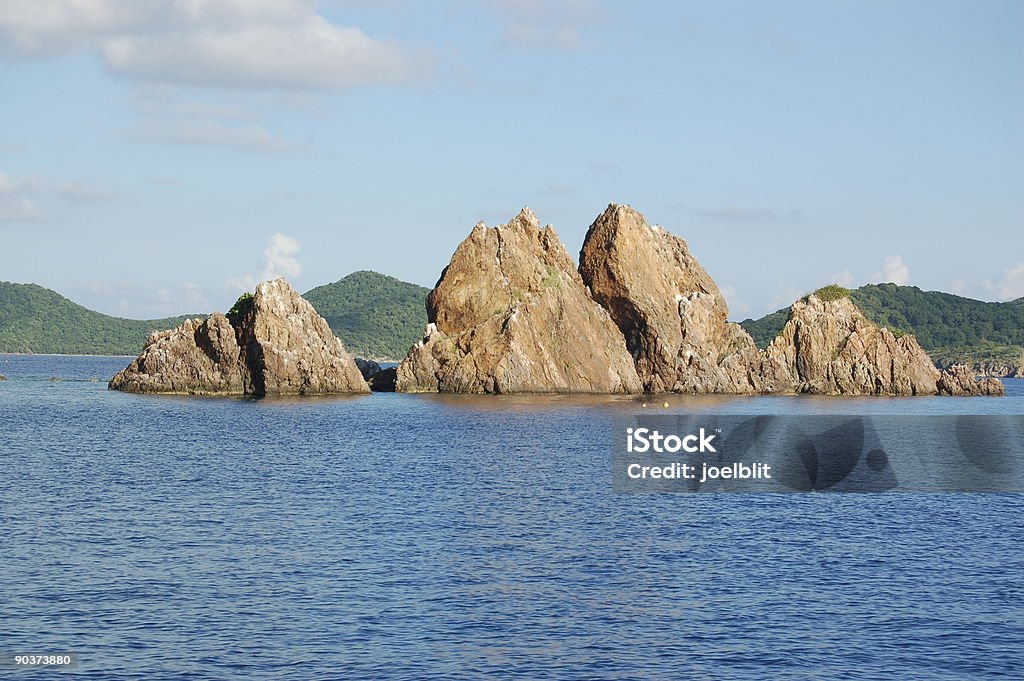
x,y
278,346
670,311
961,380
510,314
830,348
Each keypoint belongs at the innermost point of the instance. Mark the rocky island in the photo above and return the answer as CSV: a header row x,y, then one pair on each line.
x,y
271,343
512,313
509,314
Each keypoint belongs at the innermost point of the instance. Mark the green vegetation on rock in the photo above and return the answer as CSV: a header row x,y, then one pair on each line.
x,y
241,306
951,328
832,292
375,315
36,319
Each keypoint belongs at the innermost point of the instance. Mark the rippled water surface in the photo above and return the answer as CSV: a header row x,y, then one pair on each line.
x,y
411,537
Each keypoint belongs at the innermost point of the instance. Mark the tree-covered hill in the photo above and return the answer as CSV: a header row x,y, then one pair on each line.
x,y
36,319
375,315
951,328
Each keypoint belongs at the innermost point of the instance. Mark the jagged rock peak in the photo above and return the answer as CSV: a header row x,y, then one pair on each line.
x,y
671,313
510,314
828,347
274,344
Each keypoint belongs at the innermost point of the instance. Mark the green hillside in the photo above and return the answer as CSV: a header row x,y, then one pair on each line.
x,y
949,327
373,314
36,319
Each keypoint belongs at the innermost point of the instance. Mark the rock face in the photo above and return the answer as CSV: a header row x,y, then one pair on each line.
x,y
670,311
960,380
830,348
383,381
279,345
367,367
510,314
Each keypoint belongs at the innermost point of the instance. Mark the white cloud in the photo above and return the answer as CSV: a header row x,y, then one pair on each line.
x,y
15,205
212,133
19,198
218,43
843,278
278,261
958,286
894,271
129,300
785,295
81,192
1010,285
547,24
279,257
533,36
737,307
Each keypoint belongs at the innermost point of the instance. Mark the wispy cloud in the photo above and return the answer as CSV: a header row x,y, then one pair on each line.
x,y
844,278
547,24
894,271
214,133
279,260
735,213
1010,284
20,197
216,43
135,302
557,189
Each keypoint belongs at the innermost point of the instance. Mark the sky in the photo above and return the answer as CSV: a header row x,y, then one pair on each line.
x,y
160,157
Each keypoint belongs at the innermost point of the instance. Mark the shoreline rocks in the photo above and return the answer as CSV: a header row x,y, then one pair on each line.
x,y
275,345
960,380
510,314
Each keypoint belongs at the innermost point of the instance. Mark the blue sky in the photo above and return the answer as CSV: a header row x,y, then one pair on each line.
x,y
157,157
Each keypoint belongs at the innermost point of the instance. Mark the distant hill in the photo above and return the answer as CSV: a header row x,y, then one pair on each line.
x,y
36,319
951,328
375,315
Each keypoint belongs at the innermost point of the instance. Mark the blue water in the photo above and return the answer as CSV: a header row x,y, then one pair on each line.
x,y
410,537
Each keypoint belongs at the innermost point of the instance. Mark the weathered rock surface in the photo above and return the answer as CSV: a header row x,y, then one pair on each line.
x,y
991,368
278,346
961,380
670,311
510,314
830,348
367,367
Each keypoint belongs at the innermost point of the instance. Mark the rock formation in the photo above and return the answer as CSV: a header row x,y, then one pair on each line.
x,y
828,347
379,379
670,311
276,344
383,381
510,314
367,367
961,380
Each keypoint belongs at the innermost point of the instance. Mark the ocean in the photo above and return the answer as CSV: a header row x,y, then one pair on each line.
x,y
394,536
